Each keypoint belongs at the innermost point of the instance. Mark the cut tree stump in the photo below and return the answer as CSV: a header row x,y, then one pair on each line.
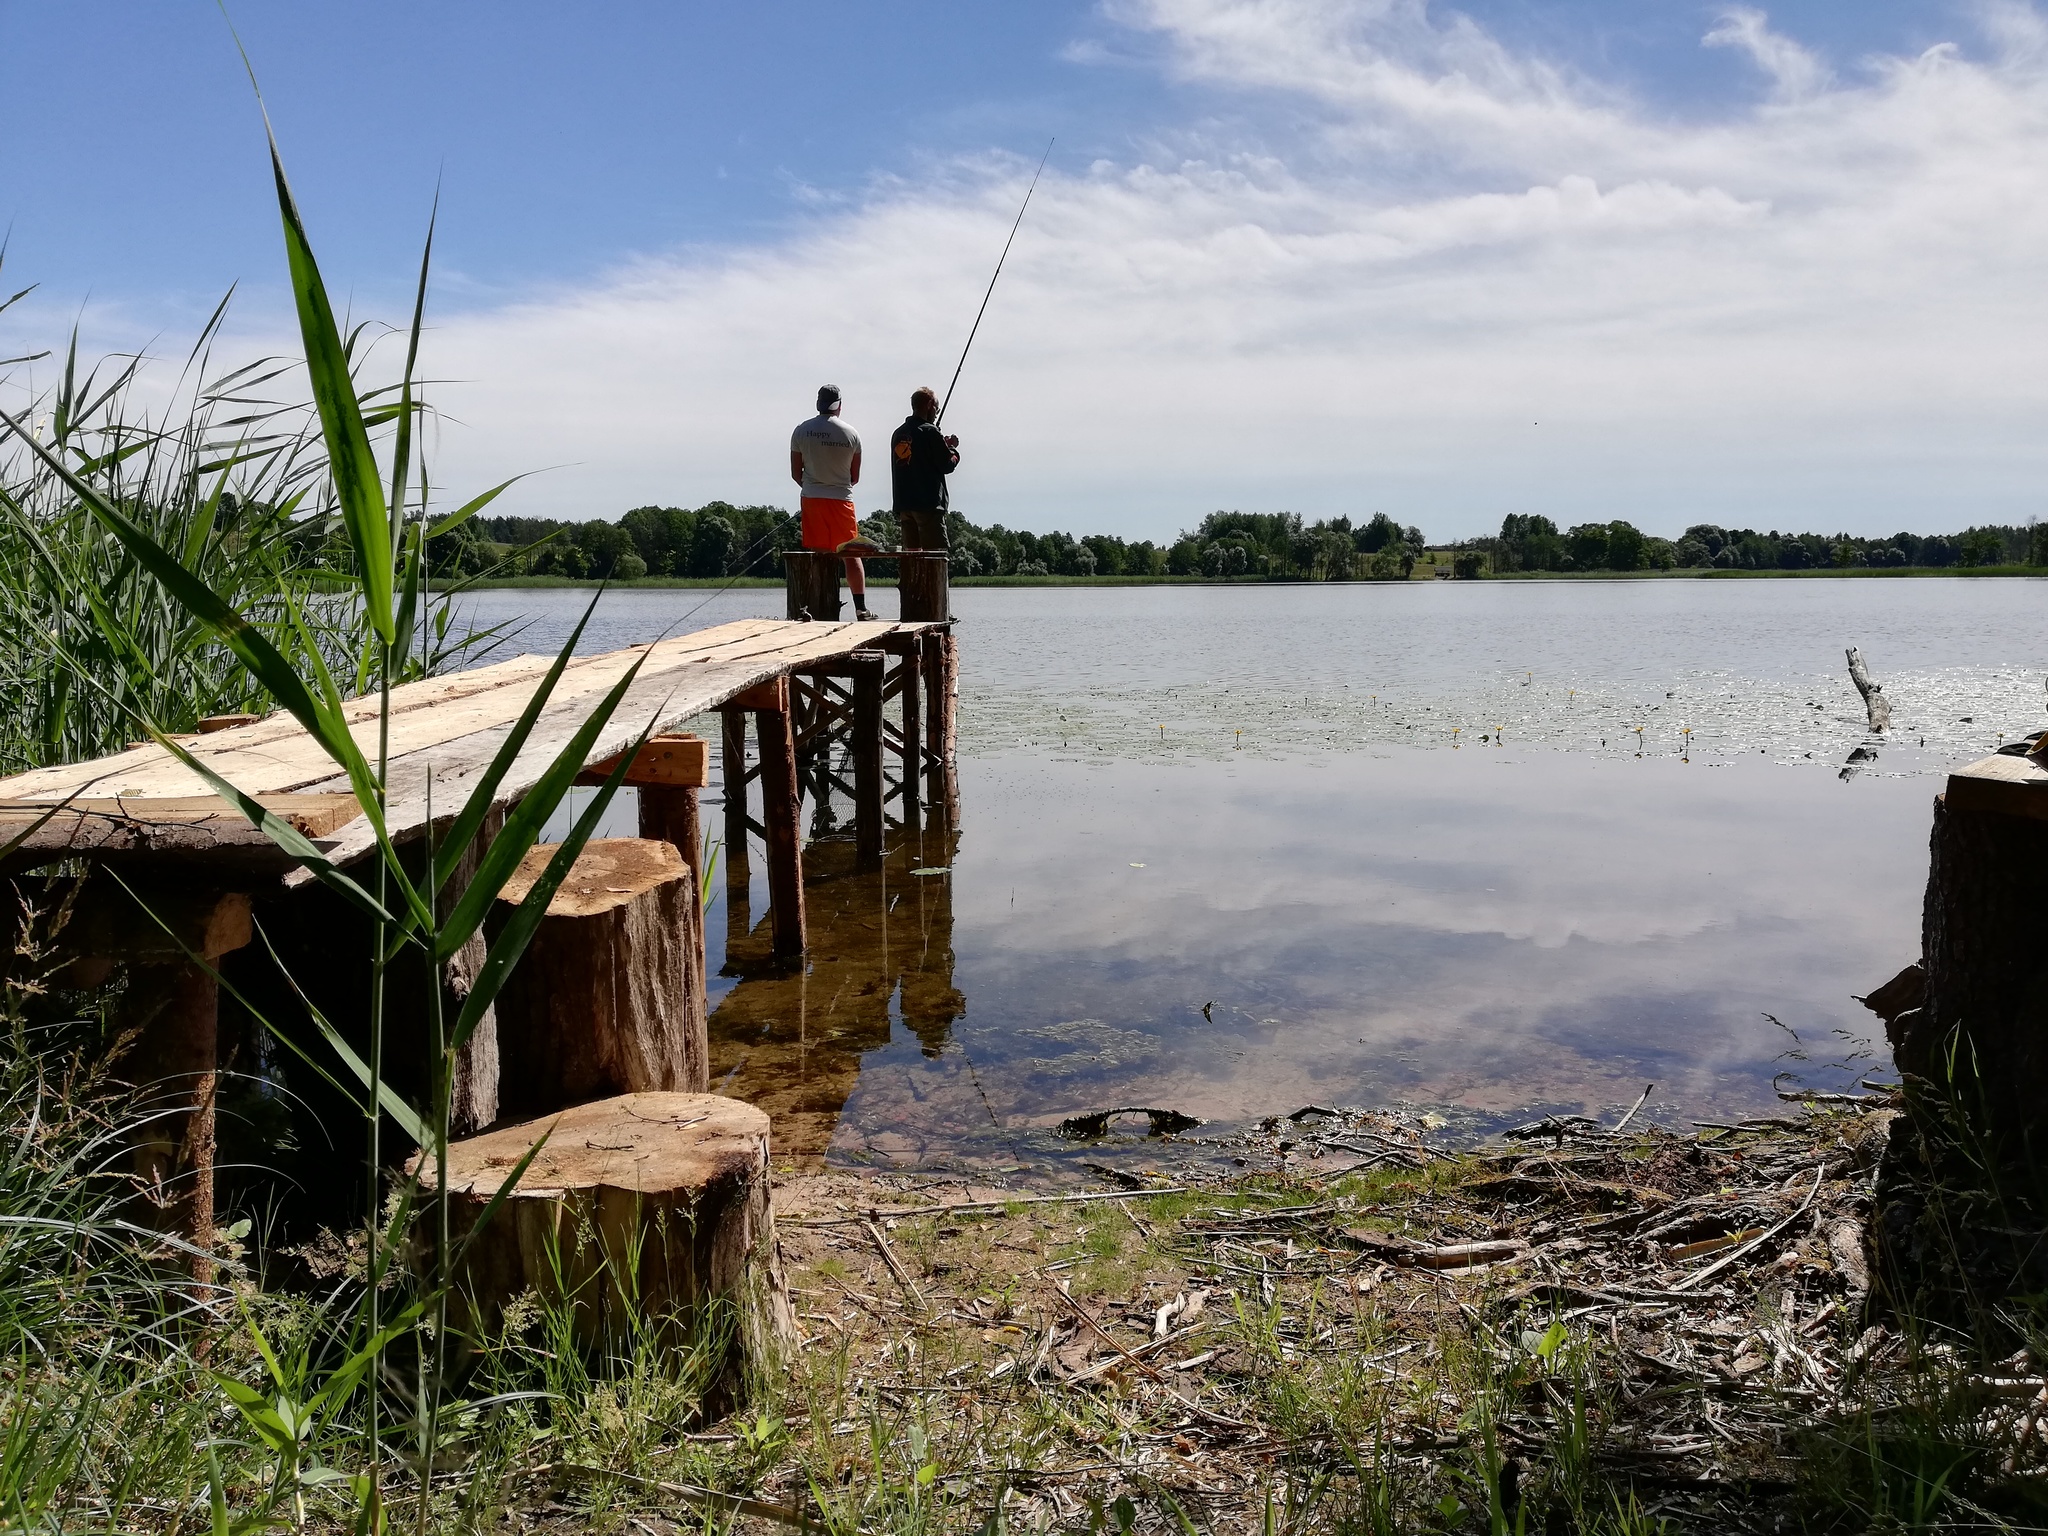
x,y
652,1206
609,996
922,584
1985,1006
811,585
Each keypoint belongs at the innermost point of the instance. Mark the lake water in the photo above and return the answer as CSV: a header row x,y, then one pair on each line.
x,y
1494,849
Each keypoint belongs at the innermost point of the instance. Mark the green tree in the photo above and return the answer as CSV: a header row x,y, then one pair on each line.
x,y
1586,546
711,545
1625,547
1980,546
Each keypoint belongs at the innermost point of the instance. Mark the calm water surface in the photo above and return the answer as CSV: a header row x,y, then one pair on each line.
x,y
1234,850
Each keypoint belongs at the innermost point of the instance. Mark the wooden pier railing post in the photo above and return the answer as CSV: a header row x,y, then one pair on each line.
x,y
923,586
780,812
810,582
866,668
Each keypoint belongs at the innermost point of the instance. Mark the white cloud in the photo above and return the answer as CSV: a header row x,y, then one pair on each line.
x,y
1795,71
1482,283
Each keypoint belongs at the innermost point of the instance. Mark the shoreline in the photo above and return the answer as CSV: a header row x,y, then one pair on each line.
x,y
705,583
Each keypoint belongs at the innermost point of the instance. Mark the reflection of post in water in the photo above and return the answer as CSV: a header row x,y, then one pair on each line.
x,y
881,947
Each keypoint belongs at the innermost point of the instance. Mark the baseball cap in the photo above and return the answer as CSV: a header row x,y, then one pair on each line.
x,y
828,396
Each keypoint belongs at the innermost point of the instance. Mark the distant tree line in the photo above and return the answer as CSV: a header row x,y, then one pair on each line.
x,y
721,539
1530,542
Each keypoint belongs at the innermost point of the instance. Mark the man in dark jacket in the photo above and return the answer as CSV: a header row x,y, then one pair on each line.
x,y
920,458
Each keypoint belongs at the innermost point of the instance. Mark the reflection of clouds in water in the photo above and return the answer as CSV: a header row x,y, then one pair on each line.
x,y
1535,846
1540,929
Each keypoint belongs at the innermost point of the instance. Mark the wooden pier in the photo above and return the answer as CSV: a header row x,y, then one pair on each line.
x,y
819,695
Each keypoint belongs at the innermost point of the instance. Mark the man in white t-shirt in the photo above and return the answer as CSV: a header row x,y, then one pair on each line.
x,y
824,458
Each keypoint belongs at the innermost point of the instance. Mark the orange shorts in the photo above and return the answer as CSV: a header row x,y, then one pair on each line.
x,y
828,524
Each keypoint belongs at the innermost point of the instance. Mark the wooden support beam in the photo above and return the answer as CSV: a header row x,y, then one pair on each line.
x,y
867,667
949,708
668,814
173,1005
733,776
909,748
779,815
609,997
680,760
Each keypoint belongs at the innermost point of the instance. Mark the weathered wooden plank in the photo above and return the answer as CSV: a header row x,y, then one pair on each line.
x,y
658,700
276,756
447,729
187,823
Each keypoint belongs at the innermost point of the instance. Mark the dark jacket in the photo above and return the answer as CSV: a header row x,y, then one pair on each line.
x,y
919,461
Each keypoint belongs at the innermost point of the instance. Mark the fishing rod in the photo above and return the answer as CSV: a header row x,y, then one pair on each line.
x,y
992,280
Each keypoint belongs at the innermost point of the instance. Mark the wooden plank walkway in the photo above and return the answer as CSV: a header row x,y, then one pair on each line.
x,y
445,730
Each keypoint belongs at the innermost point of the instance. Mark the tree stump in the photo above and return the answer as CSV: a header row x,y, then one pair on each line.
x,y
923,586
1984,937
609,996
811,585
651,1207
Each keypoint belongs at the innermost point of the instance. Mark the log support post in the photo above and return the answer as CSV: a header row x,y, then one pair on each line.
x,y
780,813
172,1004
738,856
923,586
910,744
668,814
866,668
933,661
810,581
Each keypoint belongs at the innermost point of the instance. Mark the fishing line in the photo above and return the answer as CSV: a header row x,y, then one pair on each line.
x,y
992,280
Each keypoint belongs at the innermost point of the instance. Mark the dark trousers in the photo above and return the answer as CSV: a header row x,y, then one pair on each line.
x,y
923,530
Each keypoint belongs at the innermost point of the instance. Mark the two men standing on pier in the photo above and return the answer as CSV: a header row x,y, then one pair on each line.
x,y
824,459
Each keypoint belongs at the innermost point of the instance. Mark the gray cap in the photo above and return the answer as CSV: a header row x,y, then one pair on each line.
x,y
828,396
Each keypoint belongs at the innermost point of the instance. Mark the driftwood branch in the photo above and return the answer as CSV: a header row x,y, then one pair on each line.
x,y
1873,693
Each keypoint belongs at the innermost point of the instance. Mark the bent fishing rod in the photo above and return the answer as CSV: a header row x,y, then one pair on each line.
x,y
992,281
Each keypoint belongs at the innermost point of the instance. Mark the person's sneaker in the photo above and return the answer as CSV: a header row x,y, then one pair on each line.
x,y
863,616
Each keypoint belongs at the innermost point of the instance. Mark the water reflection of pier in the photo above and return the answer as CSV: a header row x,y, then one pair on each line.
x,y
791,1038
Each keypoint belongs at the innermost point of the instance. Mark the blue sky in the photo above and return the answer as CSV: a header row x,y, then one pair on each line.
x,y
1329,256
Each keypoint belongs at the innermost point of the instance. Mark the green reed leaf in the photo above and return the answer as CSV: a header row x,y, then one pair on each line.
x,y
350,461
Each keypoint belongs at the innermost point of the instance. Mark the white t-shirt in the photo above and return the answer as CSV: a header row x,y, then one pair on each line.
x,y
828,446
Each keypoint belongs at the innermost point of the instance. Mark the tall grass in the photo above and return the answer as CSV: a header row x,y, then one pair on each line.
x,y
224,468
287,554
